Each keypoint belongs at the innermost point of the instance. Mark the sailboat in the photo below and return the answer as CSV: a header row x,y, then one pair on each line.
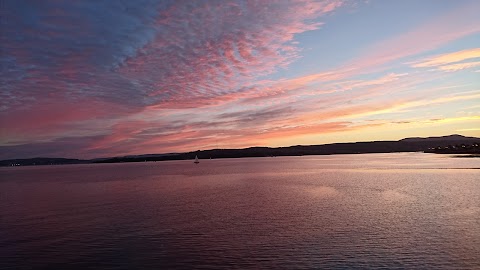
x,y
196,160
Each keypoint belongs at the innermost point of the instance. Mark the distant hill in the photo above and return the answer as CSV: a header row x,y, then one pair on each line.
x,y
144,157
454,137
41,161
452,144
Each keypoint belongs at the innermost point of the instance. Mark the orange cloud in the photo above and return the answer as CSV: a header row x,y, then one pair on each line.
x,y
455,119
459,66
449,58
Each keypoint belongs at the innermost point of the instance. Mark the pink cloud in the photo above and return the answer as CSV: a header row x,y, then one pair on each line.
x,y
46,120
207,61
120,132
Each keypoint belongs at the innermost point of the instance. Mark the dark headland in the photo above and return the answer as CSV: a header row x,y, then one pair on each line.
x,y
452,144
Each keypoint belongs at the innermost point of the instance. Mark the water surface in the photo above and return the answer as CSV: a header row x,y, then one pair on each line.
x,y
409,210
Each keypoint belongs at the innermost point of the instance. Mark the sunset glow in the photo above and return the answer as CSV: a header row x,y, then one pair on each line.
x,y
87,79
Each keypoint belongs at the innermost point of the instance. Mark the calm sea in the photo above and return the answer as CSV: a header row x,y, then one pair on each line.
x,y
409,210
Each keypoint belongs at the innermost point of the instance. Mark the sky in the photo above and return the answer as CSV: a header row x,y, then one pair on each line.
x,y
87,79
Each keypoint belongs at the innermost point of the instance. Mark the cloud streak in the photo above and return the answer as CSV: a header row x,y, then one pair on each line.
x,y
450,61
449,58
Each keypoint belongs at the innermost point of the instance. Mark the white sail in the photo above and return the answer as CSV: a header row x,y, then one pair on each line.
x,y
196,160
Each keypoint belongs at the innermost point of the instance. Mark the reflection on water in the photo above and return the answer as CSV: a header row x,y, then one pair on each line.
x,y
405,210
395,195
322,191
